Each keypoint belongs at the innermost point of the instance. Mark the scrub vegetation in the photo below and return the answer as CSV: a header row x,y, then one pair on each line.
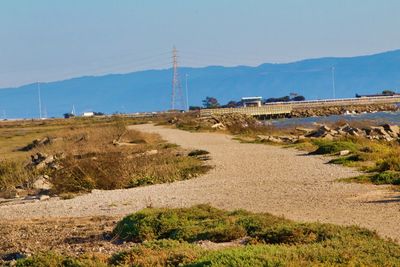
x,y
78,155
173,237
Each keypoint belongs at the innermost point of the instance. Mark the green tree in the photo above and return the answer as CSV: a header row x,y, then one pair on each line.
x,y
388,92
210,102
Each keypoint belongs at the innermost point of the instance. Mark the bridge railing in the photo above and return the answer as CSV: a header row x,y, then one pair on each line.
x,y
340,102
251,111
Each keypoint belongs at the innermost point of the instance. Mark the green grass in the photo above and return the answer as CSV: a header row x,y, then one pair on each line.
x,y
167,237
346,161
334,146
158,253
386,177
191,224
51,259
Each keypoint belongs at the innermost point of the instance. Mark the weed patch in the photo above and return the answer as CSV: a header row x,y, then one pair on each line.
x,y
332,147
276,242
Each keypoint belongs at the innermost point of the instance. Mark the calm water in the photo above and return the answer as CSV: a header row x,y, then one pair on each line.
x,y
378,117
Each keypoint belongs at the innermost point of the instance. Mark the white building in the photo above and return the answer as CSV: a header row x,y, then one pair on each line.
x,y
252,101
88,114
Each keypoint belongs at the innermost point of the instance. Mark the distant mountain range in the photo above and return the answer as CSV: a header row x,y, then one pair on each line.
x,y
151,90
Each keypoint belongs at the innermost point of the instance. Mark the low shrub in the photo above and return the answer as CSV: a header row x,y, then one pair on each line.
x,y
334,146
297,233
346,160
206,223
158,253
198,152
386,177
200,222
389,163
277,242
190,224
52,259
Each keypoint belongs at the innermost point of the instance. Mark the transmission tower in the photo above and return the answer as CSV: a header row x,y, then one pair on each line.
x,y
177,99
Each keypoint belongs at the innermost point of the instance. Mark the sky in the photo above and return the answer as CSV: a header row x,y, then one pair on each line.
x,y
49,40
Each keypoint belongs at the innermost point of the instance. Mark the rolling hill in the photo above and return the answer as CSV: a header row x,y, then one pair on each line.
x,y
150,90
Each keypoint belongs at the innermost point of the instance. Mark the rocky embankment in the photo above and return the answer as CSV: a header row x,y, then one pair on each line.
x,y
383,132
340,110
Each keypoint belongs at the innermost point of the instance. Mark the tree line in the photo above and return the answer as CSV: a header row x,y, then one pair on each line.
x,y
212,102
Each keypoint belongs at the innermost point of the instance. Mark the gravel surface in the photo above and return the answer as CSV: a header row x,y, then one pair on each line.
x,y
254,177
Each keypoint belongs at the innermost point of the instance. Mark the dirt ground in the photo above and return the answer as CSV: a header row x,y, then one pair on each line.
x,y
72,236
254,177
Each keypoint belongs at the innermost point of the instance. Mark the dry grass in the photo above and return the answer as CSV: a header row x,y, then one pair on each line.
x,y
96,154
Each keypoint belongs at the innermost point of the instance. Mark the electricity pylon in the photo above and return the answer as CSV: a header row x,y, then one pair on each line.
x,y
177,99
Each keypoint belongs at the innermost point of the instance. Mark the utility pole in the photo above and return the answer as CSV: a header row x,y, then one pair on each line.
x,y
333,83
187,94
40,101
177,100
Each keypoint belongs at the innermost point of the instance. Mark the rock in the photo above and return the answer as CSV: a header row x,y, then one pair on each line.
x,y
116,143
275,139
44,197
304,130
263,137
301,137
379,130
288,139
344,152
13,256
41,160
9,193
392,130
36,143
151,152
219,126
328,137
42,183
321,132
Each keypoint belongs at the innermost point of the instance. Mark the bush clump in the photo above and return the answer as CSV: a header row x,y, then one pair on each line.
x,y
158,253
389,163
206,223
386,177
198,152
332,147
200,222
51,259
346,160
273,241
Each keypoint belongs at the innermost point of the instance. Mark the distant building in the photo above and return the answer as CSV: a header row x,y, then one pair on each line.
x,y
252,101
88,114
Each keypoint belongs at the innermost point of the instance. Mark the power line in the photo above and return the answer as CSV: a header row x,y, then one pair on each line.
x,y
40,101
333,83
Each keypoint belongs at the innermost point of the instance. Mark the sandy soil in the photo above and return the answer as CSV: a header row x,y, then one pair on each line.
x,y
74,236
254,177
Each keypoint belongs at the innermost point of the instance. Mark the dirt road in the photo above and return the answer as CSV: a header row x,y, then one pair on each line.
x,y
250,176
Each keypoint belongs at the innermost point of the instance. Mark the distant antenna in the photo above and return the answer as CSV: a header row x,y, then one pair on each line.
x,y
73,110
40,101
177,100
187,94
45,112
333,83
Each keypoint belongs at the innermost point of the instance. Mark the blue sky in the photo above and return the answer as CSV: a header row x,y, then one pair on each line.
x,y
47,40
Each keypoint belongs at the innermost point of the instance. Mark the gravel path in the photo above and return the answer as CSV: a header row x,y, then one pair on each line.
x,y
254,177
